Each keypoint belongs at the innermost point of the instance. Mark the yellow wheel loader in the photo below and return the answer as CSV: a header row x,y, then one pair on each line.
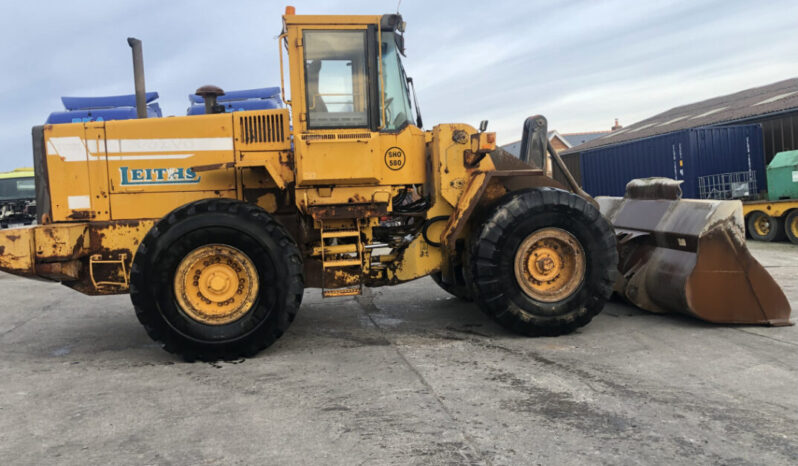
x,y
215,224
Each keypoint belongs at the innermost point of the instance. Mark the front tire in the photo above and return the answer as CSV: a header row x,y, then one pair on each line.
x,y
544,262
216,279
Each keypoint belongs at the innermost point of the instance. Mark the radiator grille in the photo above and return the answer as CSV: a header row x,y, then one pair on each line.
x,y
262,128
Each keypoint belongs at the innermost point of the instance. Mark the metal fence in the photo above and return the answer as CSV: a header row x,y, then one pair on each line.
x,y
735,185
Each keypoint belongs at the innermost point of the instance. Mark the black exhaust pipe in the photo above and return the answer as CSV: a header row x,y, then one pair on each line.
x,y
138,77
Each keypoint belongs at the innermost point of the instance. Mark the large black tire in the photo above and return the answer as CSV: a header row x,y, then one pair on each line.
x,y
251,231
763,227
791,226
516,217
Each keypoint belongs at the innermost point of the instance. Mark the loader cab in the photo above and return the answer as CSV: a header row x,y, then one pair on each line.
x,y
353,121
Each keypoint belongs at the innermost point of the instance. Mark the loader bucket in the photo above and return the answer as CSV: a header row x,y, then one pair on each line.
x,y
689,257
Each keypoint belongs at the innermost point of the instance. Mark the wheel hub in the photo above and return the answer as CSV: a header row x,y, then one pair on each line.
x,y
762,225
549,265
544,263
216,284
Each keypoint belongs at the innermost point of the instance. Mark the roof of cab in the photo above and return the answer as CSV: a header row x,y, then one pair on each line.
x,y
331,19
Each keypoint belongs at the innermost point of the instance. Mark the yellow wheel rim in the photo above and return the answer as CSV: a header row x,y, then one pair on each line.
x,y
550,265
762,225
794,226
216,284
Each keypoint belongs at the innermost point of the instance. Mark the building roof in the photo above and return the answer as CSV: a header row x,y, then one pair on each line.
x,y
575,139
515,147
570,140
750,103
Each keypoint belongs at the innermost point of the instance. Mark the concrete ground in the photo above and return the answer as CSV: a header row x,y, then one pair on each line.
x,y
404,375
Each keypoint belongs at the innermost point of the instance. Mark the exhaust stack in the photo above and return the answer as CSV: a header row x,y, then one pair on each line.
x,y
138,76
209,94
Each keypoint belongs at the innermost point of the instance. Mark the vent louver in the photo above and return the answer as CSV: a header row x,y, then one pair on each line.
x,y
262,128
354,136
335,137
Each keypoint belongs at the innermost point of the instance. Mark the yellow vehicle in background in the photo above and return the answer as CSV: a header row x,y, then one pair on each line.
x,y
17,197
215,224
777,216
772,220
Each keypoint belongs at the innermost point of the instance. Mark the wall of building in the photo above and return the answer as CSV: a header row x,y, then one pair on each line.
x,y
684,155
780,133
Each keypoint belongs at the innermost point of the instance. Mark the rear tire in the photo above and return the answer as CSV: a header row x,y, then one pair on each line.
x,y
587,242
252,244
763,227
791,226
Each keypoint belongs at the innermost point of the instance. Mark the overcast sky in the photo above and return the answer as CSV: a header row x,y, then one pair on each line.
x,y
580,63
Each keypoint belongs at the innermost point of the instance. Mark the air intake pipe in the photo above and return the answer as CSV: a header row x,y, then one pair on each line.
x,y
138,77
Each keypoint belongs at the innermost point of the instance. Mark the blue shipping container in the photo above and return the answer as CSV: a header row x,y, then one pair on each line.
x,y
683,155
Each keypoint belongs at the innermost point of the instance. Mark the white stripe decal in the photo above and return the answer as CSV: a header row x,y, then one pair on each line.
x,y
71,149
91,144
74,149
51,148
112,145
169,145
79,202
148,156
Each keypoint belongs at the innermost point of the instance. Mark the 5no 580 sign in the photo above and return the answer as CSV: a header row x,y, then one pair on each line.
x,y
394,158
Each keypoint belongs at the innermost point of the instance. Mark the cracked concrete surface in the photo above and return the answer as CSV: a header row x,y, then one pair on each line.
x,y
401,375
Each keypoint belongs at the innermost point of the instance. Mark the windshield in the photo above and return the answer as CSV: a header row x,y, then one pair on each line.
x,y
17,188
397,99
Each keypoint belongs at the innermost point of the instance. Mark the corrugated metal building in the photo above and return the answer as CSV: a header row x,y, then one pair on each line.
x,y
774,107
686,155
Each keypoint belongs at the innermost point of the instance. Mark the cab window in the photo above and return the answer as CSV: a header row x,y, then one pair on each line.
x,y
335,79
397,99
12,189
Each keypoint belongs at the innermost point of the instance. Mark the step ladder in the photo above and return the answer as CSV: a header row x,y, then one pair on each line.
x,y
341,256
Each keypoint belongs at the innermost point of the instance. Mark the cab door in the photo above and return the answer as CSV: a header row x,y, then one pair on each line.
x,y
338,107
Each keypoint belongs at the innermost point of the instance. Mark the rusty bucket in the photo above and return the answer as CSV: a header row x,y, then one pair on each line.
x,y
689,256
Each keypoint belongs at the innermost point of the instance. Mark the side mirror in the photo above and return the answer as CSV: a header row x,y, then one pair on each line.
x,y
483,125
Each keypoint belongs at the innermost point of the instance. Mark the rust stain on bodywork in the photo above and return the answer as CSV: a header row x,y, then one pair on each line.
x,y
93,258
344,211
79,215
